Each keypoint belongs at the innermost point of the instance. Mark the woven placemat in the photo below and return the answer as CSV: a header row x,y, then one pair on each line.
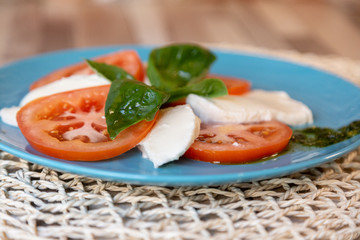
x,y
319,203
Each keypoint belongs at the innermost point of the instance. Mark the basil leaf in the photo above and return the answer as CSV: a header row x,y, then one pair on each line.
x,y
176,66
108,71
129,102
211,87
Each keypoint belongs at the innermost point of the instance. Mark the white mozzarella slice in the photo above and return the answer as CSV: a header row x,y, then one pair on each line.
x,y
63,85
8,115
174,132
257,105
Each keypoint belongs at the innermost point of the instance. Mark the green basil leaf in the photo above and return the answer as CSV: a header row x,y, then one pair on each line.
x,y
176,66
210,87
129,102
108,71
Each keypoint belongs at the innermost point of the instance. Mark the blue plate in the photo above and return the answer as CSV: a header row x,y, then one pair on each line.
x,y
334,102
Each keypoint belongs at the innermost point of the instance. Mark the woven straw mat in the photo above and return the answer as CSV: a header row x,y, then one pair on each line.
x,y
318,203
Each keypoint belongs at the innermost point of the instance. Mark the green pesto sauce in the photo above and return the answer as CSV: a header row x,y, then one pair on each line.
x,y
322,137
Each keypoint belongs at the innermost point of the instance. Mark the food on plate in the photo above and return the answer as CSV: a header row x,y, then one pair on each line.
x,y
172,67
71,126
239,143
174,132
120,111
322,137
254,106
8,115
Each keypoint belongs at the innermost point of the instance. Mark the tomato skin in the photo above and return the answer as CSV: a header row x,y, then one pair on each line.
x,y
250,147
39,118
235,86
129,60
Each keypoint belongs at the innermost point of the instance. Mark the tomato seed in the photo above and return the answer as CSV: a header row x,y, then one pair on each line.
x,y
238,139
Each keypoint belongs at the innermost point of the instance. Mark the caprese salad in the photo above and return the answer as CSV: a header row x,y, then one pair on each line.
x,y
173,107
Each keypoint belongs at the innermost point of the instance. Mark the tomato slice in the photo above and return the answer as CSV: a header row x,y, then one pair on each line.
x,y
71,126
239,143
129,60
235,86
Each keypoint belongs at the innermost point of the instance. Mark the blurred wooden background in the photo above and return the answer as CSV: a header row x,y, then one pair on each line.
x,y
29,27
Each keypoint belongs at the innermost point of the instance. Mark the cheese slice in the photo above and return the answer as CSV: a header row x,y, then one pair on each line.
x,y
174,132
65,84
257,105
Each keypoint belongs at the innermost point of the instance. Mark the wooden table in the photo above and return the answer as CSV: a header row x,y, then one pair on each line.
x,y
29,27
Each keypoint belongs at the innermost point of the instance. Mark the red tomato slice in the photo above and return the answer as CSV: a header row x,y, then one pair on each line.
x,y
71,126
239,143
235,86
129,60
